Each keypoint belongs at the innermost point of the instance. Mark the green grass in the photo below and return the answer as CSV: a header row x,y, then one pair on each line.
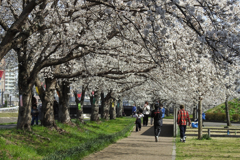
x,y
169,117
8,114
216,148
77,142
8,123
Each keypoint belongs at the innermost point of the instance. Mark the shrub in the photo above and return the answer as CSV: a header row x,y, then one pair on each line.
x,y
235,117
209,116
220,117
206,136
223,106
216,116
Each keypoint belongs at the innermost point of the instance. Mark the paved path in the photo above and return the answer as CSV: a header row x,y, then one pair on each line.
x,y
141,145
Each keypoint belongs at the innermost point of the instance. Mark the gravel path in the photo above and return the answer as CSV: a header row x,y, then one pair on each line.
x,y
141,145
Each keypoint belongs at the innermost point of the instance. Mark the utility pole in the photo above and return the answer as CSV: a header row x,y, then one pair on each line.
x,y
2,97
200,118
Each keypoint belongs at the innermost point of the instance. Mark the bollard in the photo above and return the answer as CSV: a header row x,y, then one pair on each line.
x,y
209,133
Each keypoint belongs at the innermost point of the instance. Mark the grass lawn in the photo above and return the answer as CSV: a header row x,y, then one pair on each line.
x,y
8,114
76,143
216,148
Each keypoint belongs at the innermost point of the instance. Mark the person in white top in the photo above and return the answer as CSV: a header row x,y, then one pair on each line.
x,y
146,112
138,116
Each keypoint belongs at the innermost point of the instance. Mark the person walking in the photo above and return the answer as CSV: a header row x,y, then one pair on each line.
x,y
203,118
163,113
146,112
34,113
134,110
157,115
183,116
138,116
55,108
152,108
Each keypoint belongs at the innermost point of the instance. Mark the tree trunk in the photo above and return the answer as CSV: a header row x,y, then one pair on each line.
x,y
79,107
113,109
24,112
200,118
102,104
25,97
119,108
47,103
95,106
227,112
194,114
106,105
79,104
106,109
63,115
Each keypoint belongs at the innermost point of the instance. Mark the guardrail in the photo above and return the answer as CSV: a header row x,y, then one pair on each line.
x,y
9,109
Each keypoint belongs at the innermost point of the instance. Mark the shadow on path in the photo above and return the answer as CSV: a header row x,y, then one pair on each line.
x,y
167,131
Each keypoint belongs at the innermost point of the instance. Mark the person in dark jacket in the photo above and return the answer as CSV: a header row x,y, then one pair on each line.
x,y
138,117
34,113
157,115
34,101
55,108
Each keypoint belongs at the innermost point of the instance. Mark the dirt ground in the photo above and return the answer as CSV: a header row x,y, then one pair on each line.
x,y
141,145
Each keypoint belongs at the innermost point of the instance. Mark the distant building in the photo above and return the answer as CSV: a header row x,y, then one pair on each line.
x,y
8,84
10,81
2,75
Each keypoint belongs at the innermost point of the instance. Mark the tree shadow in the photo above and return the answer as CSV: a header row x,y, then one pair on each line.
x,y
167,131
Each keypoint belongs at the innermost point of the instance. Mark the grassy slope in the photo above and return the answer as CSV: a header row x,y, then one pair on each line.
x,y
24,145
234,107
217,148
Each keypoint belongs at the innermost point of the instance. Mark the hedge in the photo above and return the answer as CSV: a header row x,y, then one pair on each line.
x,y
215,116
235,117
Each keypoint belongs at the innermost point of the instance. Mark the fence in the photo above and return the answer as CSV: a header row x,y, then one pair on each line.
x,y
9,109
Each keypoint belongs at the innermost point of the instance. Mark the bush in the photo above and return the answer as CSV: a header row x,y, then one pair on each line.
x,y
235,117
206,136
215,116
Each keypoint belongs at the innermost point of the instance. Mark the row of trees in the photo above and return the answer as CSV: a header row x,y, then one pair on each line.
x,y
180,52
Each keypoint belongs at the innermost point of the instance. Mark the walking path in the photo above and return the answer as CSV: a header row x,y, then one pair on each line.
x,y
141,145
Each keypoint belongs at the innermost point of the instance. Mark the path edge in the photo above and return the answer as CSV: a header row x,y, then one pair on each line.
x,y
174,150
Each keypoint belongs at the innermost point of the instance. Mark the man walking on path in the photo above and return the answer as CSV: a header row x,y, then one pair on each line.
x,y
183,116
157,115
